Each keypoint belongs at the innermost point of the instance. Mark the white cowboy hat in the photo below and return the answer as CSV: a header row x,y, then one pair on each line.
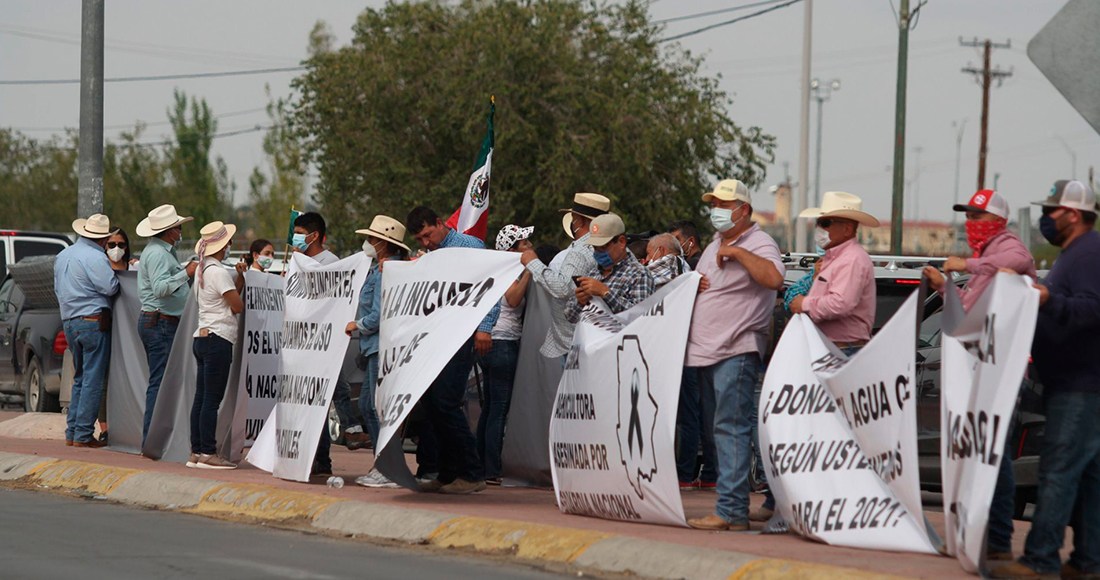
x,y
843,205
589,205
96,227
213,237
386,228
159,220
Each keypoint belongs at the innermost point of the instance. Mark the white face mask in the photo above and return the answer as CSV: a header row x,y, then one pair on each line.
x,y
369,250
265,261
821,238
115,254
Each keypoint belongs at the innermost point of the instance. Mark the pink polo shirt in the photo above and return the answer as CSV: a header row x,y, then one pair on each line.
x,y
732,317
841,301
1003,250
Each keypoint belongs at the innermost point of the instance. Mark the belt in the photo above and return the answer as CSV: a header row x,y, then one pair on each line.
x,y
92,318
854,344
159,314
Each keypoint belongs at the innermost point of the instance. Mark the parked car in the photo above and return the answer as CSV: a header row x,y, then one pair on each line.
x,y
16,245
33,343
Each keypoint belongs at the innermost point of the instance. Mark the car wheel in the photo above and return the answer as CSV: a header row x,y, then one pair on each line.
x,y
35,397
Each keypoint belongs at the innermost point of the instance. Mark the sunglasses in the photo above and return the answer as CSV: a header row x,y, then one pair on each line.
x,y
825,223
116,245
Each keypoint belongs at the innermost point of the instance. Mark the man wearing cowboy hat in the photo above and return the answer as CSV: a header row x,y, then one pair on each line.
x,y
83,281
1064,349
163,288
841,301
577,260
742,270
385,237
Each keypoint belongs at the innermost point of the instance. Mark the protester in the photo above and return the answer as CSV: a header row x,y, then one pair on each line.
x,y
995,248
742,270
218,294
163,288
557,276
664,259
499,365
622,280
460,469
309,239
84,282
687,233
261,254
118,254
1067,335
841,301
385,238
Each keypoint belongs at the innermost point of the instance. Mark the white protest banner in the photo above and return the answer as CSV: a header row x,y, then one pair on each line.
x,y
320,300
984,358
430,308
263,327
838,437
613,429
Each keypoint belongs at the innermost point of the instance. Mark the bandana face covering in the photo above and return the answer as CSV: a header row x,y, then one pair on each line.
x,y
979,232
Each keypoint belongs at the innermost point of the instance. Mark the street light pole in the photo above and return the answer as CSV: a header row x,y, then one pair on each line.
x,y
958,157
804,145
822,92
1072,155
897,210
89,199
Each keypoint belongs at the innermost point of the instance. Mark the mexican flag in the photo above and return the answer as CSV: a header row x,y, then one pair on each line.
x,y
473,217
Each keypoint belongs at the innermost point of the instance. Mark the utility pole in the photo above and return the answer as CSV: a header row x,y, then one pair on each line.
x,y
804,146
958,158
90,154
985,77
897,213
822,91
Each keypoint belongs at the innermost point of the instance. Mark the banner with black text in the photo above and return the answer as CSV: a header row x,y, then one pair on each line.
x,y
985,354
320,300
263,326
613,426
430,308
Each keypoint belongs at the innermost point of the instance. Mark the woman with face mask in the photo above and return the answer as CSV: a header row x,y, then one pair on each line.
x,y
261,254
118,251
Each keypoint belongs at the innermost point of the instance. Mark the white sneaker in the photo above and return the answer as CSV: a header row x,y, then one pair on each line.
x,y
193,460
214,462
375,479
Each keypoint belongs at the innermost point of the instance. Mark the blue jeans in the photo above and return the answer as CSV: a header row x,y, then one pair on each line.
x,y
91,350
341,399
693,426
500,375
446,407
213,355
1002,508
1069,469
157,339
366,399
732,381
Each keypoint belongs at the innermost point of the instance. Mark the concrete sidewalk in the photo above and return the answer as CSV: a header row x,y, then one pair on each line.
x,y
521,522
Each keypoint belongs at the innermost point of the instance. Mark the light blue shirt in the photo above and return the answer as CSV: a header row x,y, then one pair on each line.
x,y
162,282
368,316
83,279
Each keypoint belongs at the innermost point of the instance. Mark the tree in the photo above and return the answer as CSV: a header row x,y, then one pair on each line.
x,y
274,192
37,181
198,186
588,99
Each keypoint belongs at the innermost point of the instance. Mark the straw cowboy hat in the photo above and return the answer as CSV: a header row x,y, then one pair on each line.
x,y
160,219
213,237
839,204
96,227
387,229
589,205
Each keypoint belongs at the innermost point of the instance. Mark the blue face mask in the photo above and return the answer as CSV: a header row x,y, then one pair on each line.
x,y
603,259
1048,226
721,219
299,242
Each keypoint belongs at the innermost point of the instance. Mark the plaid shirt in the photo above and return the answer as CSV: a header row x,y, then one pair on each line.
x,y
665,268
628,284
455,239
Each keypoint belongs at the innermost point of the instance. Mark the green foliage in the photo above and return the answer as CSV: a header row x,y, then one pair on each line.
x,y
587,100
37,181
198,185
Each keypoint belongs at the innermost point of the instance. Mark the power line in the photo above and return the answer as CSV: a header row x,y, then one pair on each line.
x,y
728,22
233,73
169,141
135,123
714,12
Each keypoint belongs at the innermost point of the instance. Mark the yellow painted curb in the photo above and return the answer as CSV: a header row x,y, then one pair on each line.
x,y
767,569
260,501
67,474
531,541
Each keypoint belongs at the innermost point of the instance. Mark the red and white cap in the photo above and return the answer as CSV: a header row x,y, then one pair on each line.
x,y
988,201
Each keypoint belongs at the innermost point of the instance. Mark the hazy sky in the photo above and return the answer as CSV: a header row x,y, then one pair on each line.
x,y
1033,130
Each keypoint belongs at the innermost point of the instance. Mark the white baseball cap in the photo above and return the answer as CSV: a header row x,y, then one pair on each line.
x,y
1072,195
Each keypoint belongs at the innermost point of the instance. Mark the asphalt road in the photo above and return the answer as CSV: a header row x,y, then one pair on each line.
x,y
49,536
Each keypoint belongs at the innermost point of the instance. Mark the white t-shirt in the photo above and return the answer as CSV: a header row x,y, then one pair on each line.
x,y
326,257
214,312
509,324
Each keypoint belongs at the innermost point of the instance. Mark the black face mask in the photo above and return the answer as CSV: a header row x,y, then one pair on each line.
x,y
1048,226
